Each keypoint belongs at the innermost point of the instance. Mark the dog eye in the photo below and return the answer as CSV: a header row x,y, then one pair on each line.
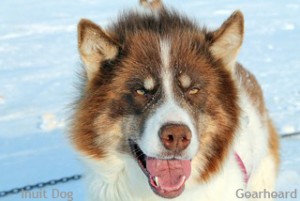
x,y
193,91
141,92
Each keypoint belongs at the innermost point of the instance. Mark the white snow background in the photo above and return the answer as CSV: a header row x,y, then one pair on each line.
x,y
39,61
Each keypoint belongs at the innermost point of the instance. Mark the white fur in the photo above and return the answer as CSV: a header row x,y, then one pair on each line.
x,y
185,81
119,178
165,48
149,83
252,146
168,112
142,10
252,140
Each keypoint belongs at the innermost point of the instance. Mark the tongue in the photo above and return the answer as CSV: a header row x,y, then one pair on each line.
x,y
171,174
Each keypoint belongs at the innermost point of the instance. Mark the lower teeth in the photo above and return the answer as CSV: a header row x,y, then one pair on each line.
x,y
155,179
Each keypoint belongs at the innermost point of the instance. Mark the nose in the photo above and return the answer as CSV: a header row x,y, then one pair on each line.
x,y
175,137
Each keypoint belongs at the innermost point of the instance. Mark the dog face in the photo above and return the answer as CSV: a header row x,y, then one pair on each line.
x,y
162,90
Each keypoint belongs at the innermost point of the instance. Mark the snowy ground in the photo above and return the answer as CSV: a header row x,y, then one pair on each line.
x,y
39,60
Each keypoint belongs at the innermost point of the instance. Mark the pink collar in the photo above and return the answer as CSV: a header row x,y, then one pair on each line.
x,y
242,166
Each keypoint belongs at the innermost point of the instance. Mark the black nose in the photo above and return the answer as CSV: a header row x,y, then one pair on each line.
x,y
175,137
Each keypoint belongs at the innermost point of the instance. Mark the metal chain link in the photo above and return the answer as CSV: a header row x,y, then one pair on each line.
x,y
77,177
288,135
40,185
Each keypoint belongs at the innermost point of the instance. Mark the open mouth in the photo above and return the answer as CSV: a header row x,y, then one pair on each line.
x,y
166,177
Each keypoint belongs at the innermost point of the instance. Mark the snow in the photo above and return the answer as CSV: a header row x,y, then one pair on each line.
x,y
50,122
39,62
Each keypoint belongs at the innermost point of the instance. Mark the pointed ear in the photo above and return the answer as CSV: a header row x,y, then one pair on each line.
x,y
228,39
154,4
95,46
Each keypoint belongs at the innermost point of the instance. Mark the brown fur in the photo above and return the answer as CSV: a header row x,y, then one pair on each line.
x,y
227,40
253,89
155,4
109,110
254,92
274,144
94,45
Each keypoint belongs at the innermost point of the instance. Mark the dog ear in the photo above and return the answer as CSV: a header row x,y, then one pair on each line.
x,y
152,4
95,46
228,39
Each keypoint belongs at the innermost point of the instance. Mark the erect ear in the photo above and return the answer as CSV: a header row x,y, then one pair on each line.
x,y
95,46
228,39
152,4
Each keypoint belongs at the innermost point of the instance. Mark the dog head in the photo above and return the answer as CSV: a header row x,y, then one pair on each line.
x,y
161,90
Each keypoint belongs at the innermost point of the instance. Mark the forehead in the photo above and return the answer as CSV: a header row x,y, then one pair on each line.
x,y
150,53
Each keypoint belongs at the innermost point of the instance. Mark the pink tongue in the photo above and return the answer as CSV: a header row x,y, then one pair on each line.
x,y
170,173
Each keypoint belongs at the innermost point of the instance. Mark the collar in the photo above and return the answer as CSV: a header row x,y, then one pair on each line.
x,y
242,166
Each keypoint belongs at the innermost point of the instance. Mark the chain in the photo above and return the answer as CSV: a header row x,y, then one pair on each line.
x,y
40,185
288,135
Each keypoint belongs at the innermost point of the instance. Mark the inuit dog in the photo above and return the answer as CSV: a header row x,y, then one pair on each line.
x,y
166,111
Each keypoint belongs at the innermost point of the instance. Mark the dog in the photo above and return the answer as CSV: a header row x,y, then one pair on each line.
x,y
167,112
